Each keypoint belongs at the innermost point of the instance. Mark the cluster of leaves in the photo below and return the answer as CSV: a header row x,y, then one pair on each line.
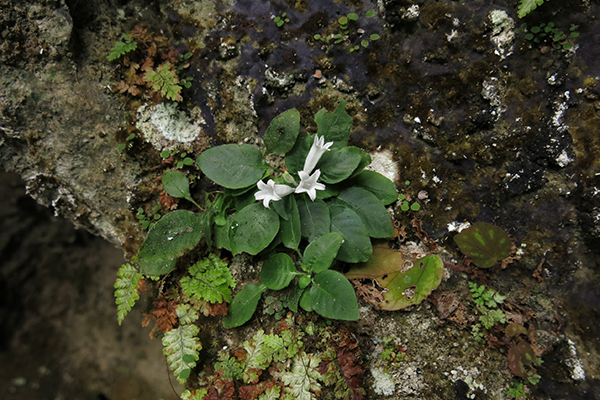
x,y
184,159
346,34
549,33
277,366
280,20
527,6
152,65
147,220
517,391
337,225
486,305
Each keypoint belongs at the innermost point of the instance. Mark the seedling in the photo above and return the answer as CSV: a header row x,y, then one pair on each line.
x,y
281,20
548,33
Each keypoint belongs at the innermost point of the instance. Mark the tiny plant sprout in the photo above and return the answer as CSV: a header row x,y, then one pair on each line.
x,y
165,154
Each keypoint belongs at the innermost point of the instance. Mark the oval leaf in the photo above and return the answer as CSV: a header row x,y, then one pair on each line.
x,y
290,228
314,217
283,131
379,185
485,243
176,184
278,271
407,282
335,126
332,296
233,166
371,211
338,164
252,229
320,253
243,305
169,238
357,243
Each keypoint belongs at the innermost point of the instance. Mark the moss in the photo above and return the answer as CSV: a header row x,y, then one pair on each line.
x,y
434,14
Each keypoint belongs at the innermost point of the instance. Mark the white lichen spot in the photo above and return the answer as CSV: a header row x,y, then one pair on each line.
x,y
493,90
575,363
503,34
383,163
384,384
456,226
166,121
563,159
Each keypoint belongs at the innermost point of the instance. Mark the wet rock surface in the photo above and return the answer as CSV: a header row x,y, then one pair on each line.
x,y
490,125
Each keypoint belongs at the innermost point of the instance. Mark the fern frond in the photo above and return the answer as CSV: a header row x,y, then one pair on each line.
x,y
126,292
527,6
122,48
195,395
164,79
271,394
181,348
301,381
210,280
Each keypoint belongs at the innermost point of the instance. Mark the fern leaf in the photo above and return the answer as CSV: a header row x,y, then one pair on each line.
x,y
181,348
126,292
271,394
194,395
527,6
210,280
122,48
301,381
186,314
164,80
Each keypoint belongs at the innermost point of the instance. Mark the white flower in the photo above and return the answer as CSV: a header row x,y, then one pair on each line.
x,y
318,148
270,191
308,184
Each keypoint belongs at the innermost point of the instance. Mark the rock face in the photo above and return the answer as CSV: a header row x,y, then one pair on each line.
x,y
482,122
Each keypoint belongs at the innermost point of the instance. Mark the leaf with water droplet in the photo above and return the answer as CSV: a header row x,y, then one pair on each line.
x,y
485,243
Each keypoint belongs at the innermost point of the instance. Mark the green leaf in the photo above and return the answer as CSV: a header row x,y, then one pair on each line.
x,y
302,380
181,348
370,210
365,160
321,252
294,296
210,280
485,243
126,292
294,159
281,135
278,271
526,6
243,305
314,217
164,79
332,296
407,282
253,228
122,48
338,164
233,166
170,237
176,184
334,126
291,228
357,243
379,185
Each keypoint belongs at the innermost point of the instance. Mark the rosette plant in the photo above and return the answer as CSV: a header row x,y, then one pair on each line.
x,y
319,210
